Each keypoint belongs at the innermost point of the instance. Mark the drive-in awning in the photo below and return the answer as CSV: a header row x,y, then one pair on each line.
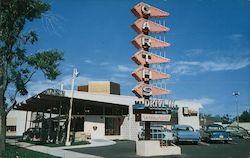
x,y
55,100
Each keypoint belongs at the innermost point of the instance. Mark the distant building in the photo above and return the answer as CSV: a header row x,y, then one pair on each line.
x,y
102,87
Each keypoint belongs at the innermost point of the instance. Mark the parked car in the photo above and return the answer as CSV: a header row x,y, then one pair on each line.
x,y
238,131
157,133
185,133
31,134
215,132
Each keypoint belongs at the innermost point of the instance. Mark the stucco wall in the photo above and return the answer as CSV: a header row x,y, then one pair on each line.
x,y
245,125
17,118
189,120
95,120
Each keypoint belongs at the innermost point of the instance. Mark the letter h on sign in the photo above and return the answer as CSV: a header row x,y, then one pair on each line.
x,y
146,74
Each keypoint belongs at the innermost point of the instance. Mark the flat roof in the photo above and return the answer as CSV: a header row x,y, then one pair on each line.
x,y
54,98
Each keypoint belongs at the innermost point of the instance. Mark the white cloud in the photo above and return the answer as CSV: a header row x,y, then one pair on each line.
x,y
36,87
193,52
124,68
87,61
235,36
194,67
203,101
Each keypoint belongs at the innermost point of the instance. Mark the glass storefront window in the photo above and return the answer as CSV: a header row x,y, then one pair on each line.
x,y
112,126
94,110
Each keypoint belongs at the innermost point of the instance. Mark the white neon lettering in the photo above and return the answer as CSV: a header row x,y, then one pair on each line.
x,y
147,56
145,10
147,91
146,42
146,74
146,26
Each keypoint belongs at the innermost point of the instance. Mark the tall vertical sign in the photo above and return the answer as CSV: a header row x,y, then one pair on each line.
x,y
147,72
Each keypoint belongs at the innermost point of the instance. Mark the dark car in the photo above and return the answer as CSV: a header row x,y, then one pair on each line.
x,y
238,131
215,132
185,133
31,134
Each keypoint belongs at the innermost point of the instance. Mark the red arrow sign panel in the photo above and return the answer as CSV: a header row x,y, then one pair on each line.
x,y
153,11
140,58
154,75
138,90
154,43
152,26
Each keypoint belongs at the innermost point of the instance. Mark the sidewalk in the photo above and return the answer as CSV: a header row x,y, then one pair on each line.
x,y
93,143
58,151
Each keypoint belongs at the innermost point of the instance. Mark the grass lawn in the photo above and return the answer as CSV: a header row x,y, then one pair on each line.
x,y
13,151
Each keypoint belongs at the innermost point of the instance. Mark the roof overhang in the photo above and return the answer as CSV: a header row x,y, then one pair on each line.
x,y
53,99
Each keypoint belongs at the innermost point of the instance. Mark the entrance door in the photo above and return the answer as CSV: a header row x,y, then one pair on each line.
x,y
112,126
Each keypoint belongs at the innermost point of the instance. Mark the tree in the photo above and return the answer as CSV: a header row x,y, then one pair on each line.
x,y
226,119
17,66
245,116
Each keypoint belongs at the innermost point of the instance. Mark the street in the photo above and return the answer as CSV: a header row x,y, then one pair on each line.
x,y
238,148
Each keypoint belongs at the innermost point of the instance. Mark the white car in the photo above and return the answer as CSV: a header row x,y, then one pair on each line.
x,y
158,133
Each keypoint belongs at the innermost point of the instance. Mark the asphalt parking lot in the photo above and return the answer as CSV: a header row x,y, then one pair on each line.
x,y
238,148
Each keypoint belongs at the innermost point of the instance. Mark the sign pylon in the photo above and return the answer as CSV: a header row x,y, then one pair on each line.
x,y
146,73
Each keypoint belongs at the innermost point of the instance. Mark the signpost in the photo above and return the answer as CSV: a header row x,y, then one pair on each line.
x,y
146,73
151,76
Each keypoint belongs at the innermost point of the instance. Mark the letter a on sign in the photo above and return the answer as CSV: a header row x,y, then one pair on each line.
x,y
146,27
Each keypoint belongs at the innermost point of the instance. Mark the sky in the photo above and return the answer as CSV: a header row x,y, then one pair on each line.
x,y
209,52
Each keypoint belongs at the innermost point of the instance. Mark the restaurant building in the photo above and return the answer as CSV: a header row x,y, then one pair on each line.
x,y
98,112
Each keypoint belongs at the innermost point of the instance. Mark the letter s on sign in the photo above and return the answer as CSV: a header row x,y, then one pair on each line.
x,y
147,91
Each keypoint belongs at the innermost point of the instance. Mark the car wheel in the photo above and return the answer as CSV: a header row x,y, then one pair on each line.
x,y
169,142
139,137
226,142
195,143
175,140
244,136
26,138
208,140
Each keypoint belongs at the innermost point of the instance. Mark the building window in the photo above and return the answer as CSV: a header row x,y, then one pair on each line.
x,y
108,110
11,128
112,126
116,110
78,124
125,111
93,110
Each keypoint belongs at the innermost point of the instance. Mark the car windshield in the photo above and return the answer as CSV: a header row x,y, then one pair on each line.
x,y
215,128
242,129
184,128
157,129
